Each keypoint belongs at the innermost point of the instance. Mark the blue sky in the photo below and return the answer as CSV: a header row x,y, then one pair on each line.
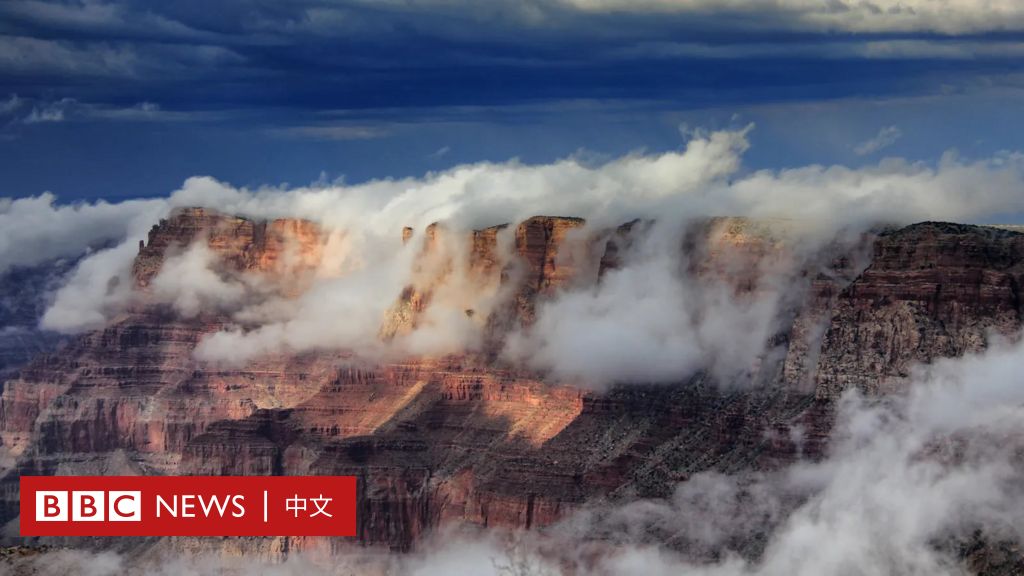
x,y
125,98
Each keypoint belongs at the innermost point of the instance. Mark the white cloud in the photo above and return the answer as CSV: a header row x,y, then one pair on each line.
x,y
361,297
654,321
367,267
37,228
659,331
440,152
49,112
192,284
28,111
89,59
886,137
98,288
20,54
141,112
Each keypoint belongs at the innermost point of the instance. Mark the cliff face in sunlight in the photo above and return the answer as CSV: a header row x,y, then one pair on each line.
x,y
472,437
282,249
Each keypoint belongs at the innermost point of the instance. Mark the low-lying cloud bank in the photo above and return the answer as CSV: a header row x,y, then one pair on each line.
x,y
37,228
909,481
675,321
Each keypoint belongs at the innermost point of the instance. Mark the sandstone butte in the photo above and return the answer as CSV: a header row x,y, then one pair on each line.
x,y
467,438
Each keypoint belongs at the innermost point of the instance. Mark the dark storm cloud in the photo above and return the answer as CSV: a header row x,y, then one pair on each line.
x,y
204,87
319,55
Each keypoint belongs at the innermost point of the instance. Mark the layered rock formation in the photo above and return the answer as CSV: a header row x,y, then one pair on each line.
x,y
468,437
285,249
546,258
933,290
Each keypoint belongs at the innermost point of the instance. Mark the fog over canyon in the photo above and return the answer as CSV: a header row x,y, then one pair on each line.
x,y
658,363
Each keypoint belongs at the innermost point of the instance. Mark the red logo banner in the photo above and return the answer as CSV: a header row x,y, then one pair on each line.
x,y
188,506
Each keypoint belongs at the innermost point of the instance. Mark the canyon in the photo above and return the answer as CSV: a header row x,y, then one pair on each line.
x,y
474,437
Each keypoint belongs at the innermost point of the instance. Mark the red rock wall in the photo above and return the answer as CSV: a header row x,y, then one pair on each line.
x,y
465,438
278,247
932,290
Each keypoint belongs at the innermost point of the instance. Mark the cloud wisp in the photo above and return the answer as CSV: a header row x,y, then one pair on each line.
x,y
885,138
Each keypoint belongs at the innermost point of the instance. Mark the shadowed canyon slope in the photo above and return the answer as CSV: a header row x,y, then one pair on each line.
x,y
476,436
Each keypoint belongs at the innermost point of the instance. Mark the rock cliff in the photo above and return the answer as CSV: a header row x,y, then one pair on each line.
x,y
283,248
932,290
467,437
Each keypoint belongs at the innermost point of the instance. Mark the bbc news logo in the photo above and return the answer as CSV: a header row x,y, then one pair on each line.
x,y
188,506
88,506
